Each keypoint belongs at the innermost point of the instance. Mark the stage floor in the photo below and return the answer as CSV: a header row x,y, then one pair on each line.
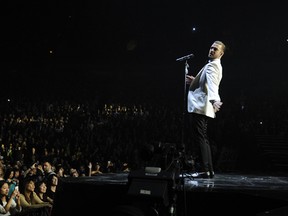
x,y
225,194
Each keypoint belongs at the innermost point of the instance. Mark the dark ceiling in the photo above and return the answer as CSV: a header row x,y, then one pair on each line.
x,y
129,48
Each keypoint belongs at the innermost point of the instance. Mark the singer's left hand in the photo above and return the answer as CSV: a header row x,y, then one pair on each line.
x,y
189,79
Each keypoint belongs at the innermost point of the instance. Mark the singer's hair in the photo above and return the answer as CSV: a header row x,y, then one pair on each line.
x,y
222,44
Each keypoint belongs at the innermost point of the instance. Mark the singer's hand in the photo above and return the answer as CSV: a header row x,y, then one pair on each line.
x,y
217,105
189,79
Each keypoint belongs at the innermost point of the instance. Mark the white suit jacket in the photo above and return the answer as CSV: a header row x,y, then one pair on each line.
x,y
204,88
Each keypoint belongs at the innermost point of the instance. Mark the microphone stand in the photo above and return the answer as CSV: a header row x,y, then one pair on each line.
x,y
184,58
181,157
184,108
182,153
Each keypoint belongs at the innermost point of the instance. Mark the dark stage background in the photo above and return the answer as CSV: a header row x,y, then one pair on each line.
x,y
126,50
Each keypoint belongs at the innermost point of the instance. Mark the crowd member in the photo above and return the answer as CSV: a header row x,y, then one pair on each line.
x,y
2,173
9,204
95,171
35,171
110,167
60,171
30,201
9,174
74,172
17,174
82,170
41,191
9,177
52,187
125,167
48,171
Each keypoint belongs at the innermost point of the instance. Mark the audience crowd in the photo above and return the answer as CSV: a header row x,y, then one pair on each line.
x,y
44,141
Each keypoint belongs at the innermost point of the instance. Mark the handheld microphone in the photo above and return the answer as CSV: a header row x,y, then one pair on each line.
x,y
185,57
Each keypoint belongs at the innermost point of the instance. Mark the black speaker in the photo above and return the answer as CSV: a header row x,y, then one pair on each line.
x,y
135,195
152,187
88,196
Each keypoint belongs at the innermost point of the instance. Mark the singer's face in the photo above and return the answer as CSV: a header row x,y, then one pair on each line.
x,y
215,51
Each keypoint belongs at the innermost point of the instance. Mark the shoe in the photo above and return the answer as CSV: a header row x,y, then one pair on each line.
x,y
212,174
206,175
200,175
195,175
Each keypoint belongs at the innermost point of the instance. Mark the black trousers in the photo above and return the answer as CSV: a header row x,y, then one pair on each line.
x,y
199,126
